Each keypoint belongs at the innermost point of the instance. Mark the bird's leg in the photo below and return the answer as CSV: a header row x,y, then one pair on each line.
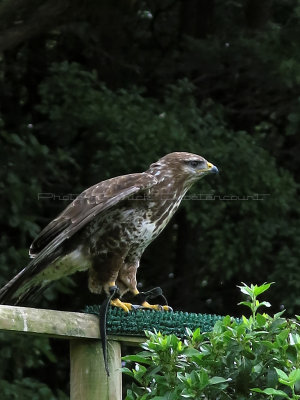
x,y
116,300
141,298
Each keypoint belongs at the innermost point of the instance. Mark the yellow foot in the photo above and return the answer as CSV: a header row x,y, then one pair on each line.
x,y
118,303
156,306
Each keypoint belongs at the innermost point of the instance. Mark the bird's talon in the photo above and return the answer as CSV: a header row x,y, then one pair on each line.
x,y
118,303
156,307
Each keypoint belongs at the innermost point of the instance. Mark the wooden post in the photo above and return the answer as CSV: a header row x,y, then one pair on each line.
x,y
88,376
89,380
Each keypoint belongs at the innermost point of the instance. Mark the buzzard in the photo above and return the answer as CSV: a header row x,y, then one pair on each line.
x,y
106,229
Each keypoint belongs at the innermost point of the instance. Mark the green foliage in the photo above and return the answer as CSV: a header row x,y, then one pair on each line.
x,y
20,354
260,354
28,389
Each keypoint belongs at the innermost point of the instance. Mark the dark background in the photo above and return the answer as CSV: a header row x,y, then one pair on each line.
x,y
95,89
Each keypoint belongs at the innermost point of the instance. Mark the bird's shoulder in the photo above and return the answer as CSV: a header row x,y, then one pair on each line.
x,y
113,186
89,203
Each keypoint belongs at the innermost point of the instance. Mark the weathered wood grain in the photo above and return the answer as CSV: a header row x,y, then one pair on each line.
x,y
59,324
88,378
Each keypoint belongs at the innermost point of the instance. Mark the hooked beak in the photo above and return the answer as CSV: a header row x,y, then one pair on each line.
x,y
212,168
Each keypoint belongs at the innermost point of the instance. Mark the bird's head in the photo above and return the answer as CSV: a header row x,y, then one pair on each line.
x,y
181,165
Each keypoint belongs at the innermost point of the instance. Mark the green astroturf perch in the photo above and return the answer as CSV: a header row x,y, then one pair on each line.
x,y
137,322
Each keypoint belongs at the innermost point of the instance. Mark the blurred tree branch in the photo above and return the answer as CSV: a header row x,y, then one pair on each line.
x,y
22,19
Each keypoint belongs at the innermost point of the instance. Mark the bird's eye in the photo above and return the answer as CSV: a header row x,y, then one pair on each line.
x,y
194,163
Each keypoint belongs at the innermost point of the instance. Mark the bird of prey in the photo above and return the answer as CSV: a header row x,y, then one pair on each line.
x,y
106,229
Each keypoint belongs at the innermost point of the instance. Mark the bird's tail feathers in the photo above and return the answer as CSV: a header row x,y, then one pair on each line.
x,y
24,287
9,292
32,294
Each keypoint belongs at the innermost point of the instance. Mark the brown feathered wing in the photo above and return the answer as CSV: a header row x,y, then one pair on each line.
x,y
48,246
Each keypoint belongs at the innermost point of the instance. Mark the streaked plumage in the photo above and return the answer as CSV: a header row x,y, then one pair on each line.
x,y
106,229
